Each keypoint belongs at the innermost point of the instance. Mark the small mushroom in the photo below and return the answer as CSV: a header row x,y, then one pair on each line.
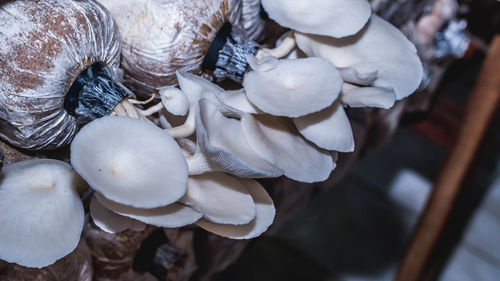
x,y
130,161
225,149
329,129
335,18
174,100
292,87
112,222
173,215
276,139
41,213
379,49
265,212
221,198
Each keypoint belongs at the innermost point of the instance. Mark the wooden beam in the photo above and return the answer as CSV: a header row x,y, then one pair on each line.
x,y
479,111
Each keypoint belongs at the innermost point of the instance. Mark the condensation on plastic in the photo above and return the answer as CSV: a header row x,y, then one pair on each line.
x,y
75,266
162,36
44,45
251,19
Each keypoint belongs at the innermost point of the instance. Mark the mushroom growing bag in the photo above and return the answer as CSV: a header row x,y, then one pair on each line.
x,y
162,36
44,46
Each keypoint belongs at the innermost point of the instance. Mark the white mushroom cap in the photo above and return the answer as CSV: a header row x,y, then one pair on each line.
x,y
130,161
356,96
238,99
329,129
277,140
379,47
336,18
294,87
174,100
265,213
196,88
173,215
110,221
41,213
222,144
221,198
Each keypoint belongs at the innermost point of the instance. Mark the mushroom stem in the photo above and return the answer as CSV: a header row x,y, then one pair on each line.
x,y
280,51
153,95
127,108
186,129
152,110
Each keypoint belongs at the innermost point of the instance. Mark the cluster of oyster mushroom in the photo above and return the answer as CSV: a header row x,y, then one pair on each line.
x,y
188,154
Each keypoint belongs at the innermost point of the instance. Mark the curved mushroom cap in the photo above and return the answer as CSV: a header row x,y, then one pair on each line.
x,y
265,213
173,215
293,87
336,18
329,129
226,149
43,48
238,99
196,88
379,47
110,221
160,37
41,212
276,139
130,161
359,96
174,100
221,198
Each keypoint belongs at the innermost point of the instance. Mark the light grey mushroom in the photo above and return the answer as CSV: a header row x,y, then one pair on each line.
x,y
110,221
130,161
221,198
329,129
265,212
379,50
173,215
41,213
292,87
335,18
277,140
222,146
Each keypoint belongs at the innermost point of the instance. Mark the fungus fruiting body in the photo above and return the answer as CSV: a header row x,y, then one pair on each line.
x,y
130,161
41,212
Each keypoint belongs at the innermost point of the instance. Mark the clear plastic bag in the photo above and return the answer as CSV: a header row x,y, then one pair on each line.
x,y
162,36
44,46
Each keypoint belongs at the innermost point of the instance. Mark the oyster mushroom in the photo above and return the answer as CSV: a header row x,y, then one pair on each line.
x,y
225,149
329,129
172,215
130,161
277,140
221,198
265,212
292,88
41,213
397,67
335,18
111,222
